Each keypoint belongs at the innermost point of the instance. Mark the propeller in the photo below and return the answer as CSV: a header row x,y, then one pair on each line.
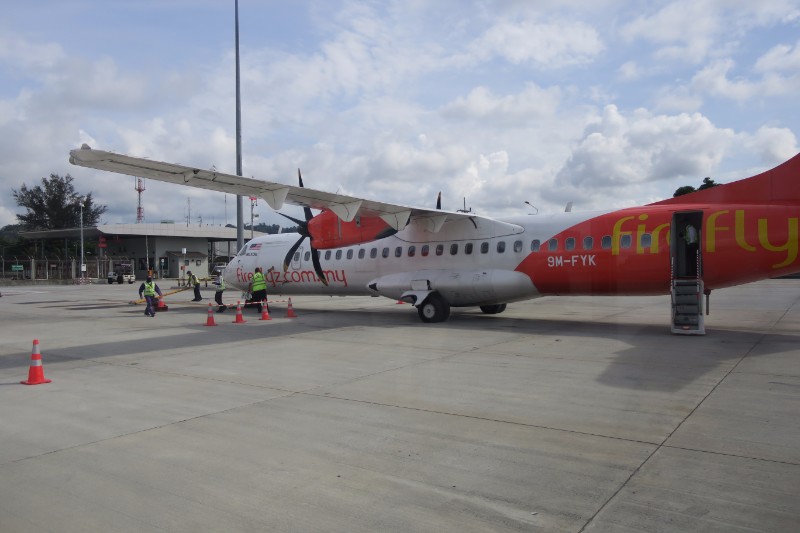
x,y
439,201
302,229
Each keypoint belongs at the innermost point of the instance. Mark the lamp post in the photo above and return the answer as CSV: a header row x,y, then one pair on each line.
x,y
83,264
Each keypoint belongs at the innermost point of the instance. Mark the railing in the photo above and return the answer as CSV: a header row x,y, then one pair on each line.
x,y
51,268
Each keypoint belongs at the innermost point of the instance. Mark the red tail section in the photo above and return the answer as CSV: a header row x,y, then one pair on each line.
x,y
781,185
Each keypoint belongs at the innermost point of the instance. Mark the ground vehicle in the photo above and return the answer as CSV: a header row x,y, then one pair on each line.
x,y
122,272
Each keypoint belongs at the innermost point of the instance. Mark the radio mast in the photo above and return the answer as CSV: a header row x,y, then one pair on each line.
x,y
139,210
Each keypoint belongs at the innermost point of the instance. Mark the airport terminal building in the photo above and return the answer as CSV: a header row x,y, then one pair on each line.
x,y
165,250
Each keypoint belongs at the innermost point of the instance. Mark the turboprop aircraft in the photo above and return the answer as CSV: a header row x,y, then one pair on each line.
x,y
436,259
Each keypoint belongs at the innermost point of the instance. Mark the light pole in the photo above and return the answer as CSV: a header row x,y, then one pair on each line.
x,y
253,203
83,264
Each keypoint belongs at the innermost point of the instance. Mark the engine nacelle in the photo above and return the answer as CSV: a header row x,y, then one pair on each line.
x,y
327,230
460,288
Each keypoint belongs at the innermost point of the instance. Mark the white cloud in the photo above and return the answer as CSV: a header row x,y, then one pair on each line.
x,y
774,145
780,58
521,108
545,45
617,151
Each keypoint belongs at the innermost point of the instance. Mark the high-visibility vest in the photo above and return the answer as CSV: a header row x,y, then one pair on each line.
x,y
193,280
149,288
259,283
221,284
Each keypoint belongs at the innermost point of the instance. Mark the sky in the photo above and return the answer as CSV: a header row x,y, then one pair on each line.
x,y
602,103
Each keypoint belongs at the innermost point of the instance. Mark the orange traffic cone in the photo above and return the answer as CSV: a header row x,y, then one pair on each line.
x,y
161,305
264,311
36,371
239,318
290,311
210,319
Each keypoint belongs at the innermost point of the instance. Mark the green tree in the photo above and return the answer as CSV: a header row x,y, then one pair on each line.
x,y
54,205
686,189
707,184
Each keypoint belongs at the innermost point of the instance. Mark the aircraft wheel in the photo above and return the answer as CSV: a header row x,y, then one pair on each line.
x,y
434,309
493,309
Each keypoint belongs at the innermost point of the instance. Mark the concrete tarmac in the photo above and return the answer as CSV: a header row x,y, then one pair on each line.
x,y
561,414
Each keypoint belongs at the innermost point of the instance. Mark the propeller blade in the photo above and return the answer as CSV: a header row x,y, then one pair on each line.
x,y
439,201
292,250
296,221
318,267
306,210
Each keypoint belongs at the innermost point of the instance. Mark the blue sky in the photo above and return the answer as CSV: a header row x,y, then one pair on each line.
x,y
603,103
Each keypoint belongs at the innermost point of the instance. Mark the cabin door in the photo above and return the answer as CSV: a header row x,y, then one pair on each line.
x,y
685,245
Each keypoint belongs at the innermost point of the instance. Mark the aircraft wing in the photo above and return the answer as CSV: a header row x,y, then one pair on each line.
x,y
275,194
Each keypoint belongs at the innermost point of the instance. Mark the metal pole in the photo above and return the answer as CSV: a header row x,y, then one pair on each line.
x,y
239,199
83,265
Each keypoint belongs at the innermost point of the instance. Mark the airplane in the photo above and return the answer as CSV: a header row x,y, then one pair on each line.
x,y
436,259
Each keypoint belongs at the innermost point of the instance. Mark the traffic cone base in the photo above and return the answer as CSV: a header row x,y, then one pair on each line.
x,y
36,370
264,311
239,318
210,320
289,310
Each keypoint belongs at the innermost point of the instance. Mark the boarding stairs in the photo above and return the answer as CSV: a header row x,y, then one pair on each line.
x,y
687,307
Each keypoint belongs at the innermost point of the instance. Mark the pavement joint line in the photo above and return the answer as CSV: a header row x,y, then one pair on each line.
x,y
144,430
678,426
475,417
736,455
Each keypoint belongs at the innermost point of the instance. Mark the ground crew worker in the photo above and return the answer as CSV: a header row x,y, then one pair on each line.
x,y
149,289
258,288
220,283
194,282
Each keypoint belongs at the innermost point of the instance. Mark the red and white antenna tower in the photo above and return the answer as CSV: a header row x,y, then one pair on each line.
x,y
139,210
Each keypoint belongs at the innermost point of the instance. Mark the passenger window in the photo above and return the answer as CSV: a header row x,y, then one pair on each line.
x,y
411,251
605,242
385,252
439,249
588,243
535,245
338,254
350,253
517,246
425,250
501,247
327,255
296,256
625,241
552,245
398,252
647,240
484,247
569,244
361,253
468,248
307,256
453,249
373,253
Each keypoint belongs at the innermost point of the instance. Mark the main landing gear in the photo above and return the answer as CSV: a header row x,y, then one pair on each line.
x,y
493,309
434,309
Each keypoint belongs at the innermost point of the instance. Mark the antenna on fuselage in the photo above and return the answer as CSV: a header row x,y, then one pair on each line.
x,y
465,210
533,206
